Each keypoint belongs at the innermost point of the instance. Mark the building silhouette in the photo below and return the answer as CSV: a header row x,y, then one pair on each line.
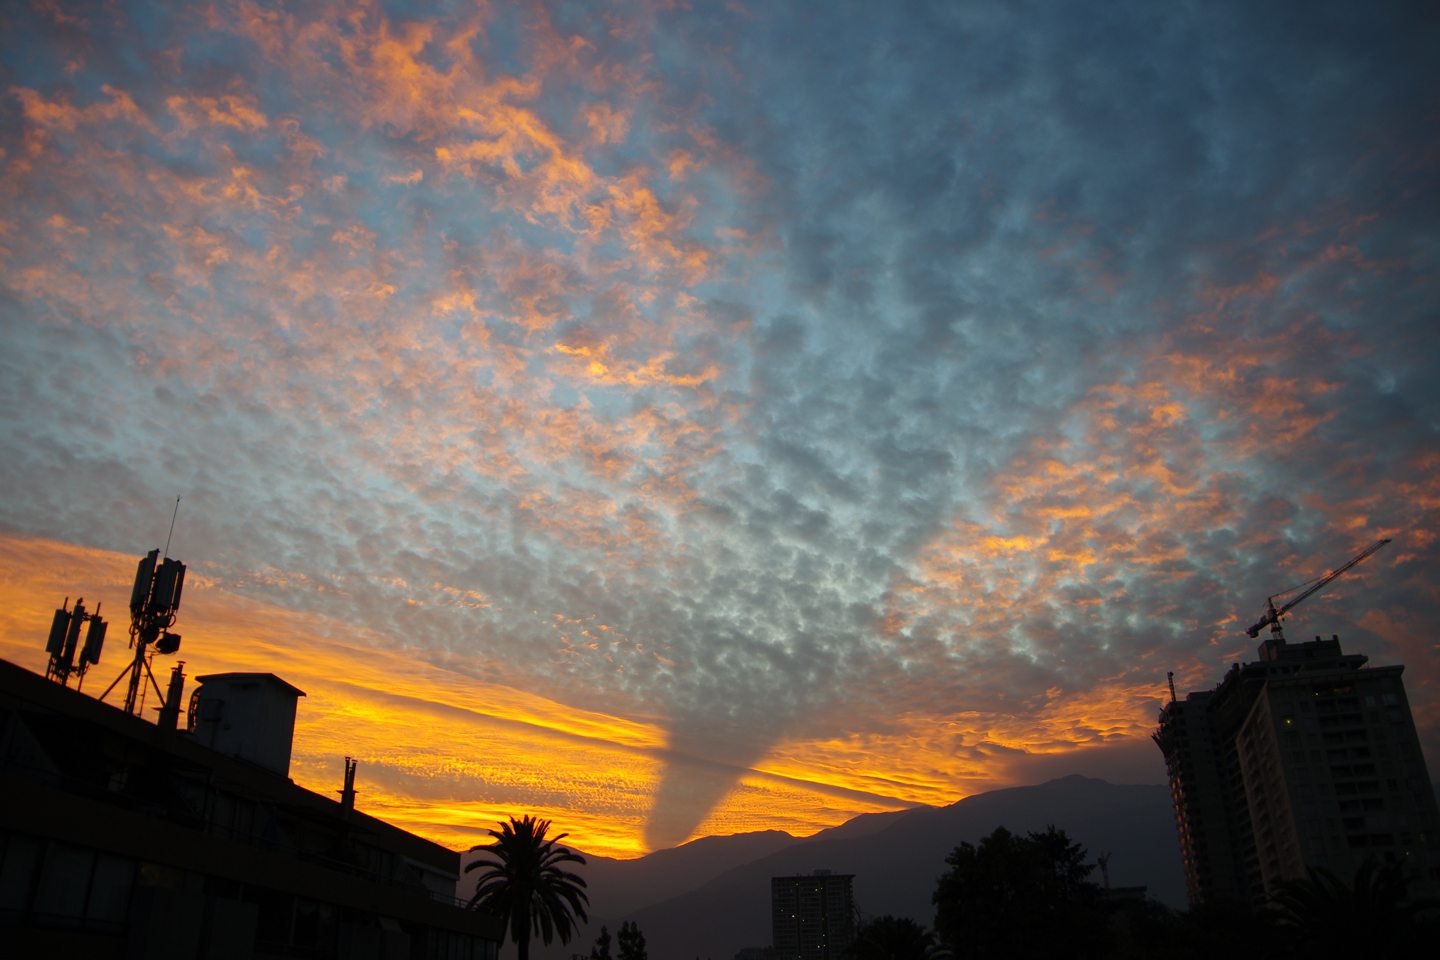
x,y
125,838
813,916
1305,758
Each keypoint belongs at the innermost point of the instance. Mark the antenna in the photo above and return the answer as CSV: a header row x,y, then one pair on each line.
x,y
64,639
154,603
173,515
1171,676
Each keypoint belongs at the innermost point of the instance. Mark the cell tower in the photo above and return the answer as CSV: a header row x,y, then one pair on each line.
x,y
154,601
65,637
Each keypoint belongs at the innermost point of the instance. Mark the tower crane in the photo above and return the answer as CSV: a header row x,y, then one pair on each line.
x,y
1272,616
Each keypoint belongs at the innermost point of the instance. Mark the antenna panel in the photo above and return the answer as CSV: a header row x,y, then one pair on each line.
x,y
72,636
169,581
58,628
179,586
94,640
140,593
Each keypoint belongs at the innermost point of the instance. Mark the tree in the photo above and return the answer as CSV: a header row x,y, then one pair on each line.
x,y
1371,915
632,942
525,884
601,950
1020,897
893,938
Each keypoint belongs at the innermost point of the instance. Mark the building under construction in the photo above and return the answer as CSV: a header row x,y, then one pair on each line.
x,y
1307,757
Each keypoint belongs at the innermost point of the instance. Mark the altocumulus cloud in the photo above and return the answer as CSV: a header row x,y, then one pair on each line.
x,y
876,395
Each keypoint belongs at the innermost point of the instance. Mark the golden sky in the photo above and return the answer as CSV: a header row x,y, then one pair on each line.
x,y
446,756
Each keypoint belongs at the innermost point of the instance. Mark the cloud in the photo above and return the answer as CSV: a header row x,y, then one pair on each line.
x,y
882,402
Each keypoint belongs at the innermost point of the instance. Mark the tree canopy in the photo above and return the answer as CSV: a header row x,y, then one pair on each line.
x,y
893,938
632,942
1020,897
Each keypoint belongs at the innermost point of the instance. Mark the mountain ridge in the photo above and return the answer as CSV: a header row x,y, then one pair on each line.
x,y
896,858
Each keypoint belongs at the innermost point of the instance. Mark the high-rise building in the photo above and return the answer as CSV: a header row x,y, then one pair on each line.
x,y
1306,758
813,915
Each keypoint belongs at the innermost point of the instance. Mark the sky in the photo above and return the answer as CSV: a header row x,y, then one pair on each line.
x,y
681,419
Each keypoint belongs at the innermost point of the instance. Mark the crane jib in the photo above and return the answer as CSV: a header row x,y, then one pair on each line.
x,y
1273,616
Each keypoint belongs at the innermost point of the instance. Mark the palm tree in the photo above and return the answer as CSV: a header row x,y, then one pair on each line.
x,y
525,885
1334,918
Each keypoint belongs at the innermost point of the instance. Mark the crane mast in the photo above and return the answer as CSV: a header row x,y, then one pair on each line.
x,y
1272,616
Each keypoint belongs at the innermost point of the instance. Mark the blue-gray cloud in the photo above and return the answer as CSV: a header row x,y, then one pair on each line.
x,y
850,363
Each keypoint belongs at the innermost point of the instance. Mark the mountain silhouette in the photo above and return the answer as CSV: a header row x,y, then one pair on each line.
x,y
710,900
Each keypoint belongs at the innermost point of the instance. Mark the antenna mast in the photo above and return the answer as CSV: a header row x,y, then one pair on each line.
x,y
173,515
154,602
65,638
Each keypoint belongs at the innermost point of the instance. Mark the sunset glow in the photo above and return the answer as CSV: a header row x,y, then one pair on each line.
x,y
684,420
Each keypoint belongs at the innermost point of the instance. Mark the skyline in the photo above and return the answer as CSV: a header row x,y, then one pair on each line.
x,y
710,418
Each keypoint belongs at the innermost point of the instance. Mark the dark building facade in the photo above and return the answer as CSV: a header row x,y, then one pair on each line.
x,y
121,838
813,916
1306,758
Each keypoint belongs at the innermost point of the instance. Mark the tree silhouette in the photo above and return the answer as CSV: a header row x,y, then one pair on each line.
x,y
893,938
1371,915
601,950
632,942
1020,897
525,885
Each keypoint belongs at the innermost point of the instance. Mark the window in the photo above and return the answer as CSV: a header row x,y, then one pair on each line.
x,y
17,875
110,891
63,884
64,881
